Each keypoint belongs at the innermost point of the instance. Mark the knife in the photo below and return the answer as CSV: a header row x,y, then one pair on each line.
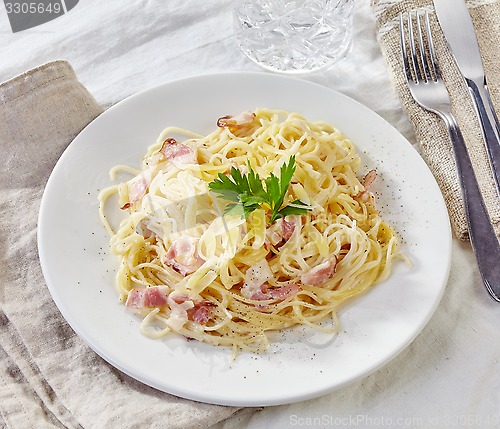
x,y
459,32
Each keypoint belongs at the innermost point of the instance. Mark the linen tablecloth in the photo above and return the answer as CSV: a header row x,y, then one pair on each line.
x,y
448,377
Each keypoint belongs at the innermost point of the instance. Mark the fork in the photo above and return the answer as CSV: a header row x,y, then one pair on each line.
x,y
429,90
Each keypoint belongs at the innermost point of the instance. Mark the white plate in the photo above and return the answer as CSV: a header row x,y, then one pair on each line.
x,y
301,364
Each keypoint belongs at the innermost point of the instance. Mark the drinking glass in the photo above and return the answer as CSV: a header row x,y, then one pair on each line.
x,y
293,36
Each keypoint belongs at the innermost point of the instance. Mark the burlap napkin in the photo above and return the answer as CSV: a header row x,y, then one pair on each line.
x,y
48,377
430,130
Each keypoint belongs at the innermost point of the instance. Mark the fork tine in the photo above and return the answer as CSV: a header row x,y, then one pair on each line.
x,y
421,47
434,63
414,59
402,41
404,53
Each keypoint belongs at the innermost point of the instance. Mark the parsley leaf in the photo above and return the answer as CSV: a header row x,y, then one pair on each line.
x,y
248,193
295,208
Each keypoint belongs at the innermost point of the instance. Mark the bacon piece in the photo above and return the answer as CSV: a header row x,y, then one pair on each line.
x,y
366,196
255,277
182,255
137,191
201,313
281,231
265,293
257,294
320,273
369,178
154,296
139,187
180,298
288,224
241,120
273,235
142,229
178,153
257,288
178,314
135,298
283,292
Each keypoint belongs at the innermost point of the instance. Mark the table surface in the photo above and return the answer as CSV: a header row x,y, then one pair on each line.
x,y
450,375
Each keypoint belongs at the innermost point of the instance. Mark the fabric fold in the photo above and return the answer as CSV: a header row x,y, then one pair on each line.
x,y
431,133
49,377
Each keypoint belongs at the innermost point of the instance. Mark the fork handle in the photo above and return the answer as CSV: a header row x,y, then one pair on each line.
x,y
490,128
482,235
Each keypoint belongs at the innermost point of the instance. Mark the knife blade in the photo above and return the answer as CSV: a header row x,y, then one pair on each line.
x,y
458,29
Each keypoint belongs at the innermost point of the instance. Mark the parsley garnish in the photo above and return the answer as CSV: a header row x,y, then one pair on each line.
x,y
248,193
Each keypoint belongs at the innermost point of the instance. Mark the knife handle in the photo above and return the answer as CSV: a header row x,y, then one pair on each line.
x,y
482,235
490,127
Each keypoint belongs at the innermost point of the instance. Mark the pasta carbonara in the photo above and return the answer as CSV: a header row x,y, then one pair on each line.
x,y
192,264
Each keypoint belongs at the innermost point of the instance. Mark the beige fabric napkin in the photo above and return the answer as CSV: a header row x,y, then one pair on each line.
x,y
431,132
48,377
